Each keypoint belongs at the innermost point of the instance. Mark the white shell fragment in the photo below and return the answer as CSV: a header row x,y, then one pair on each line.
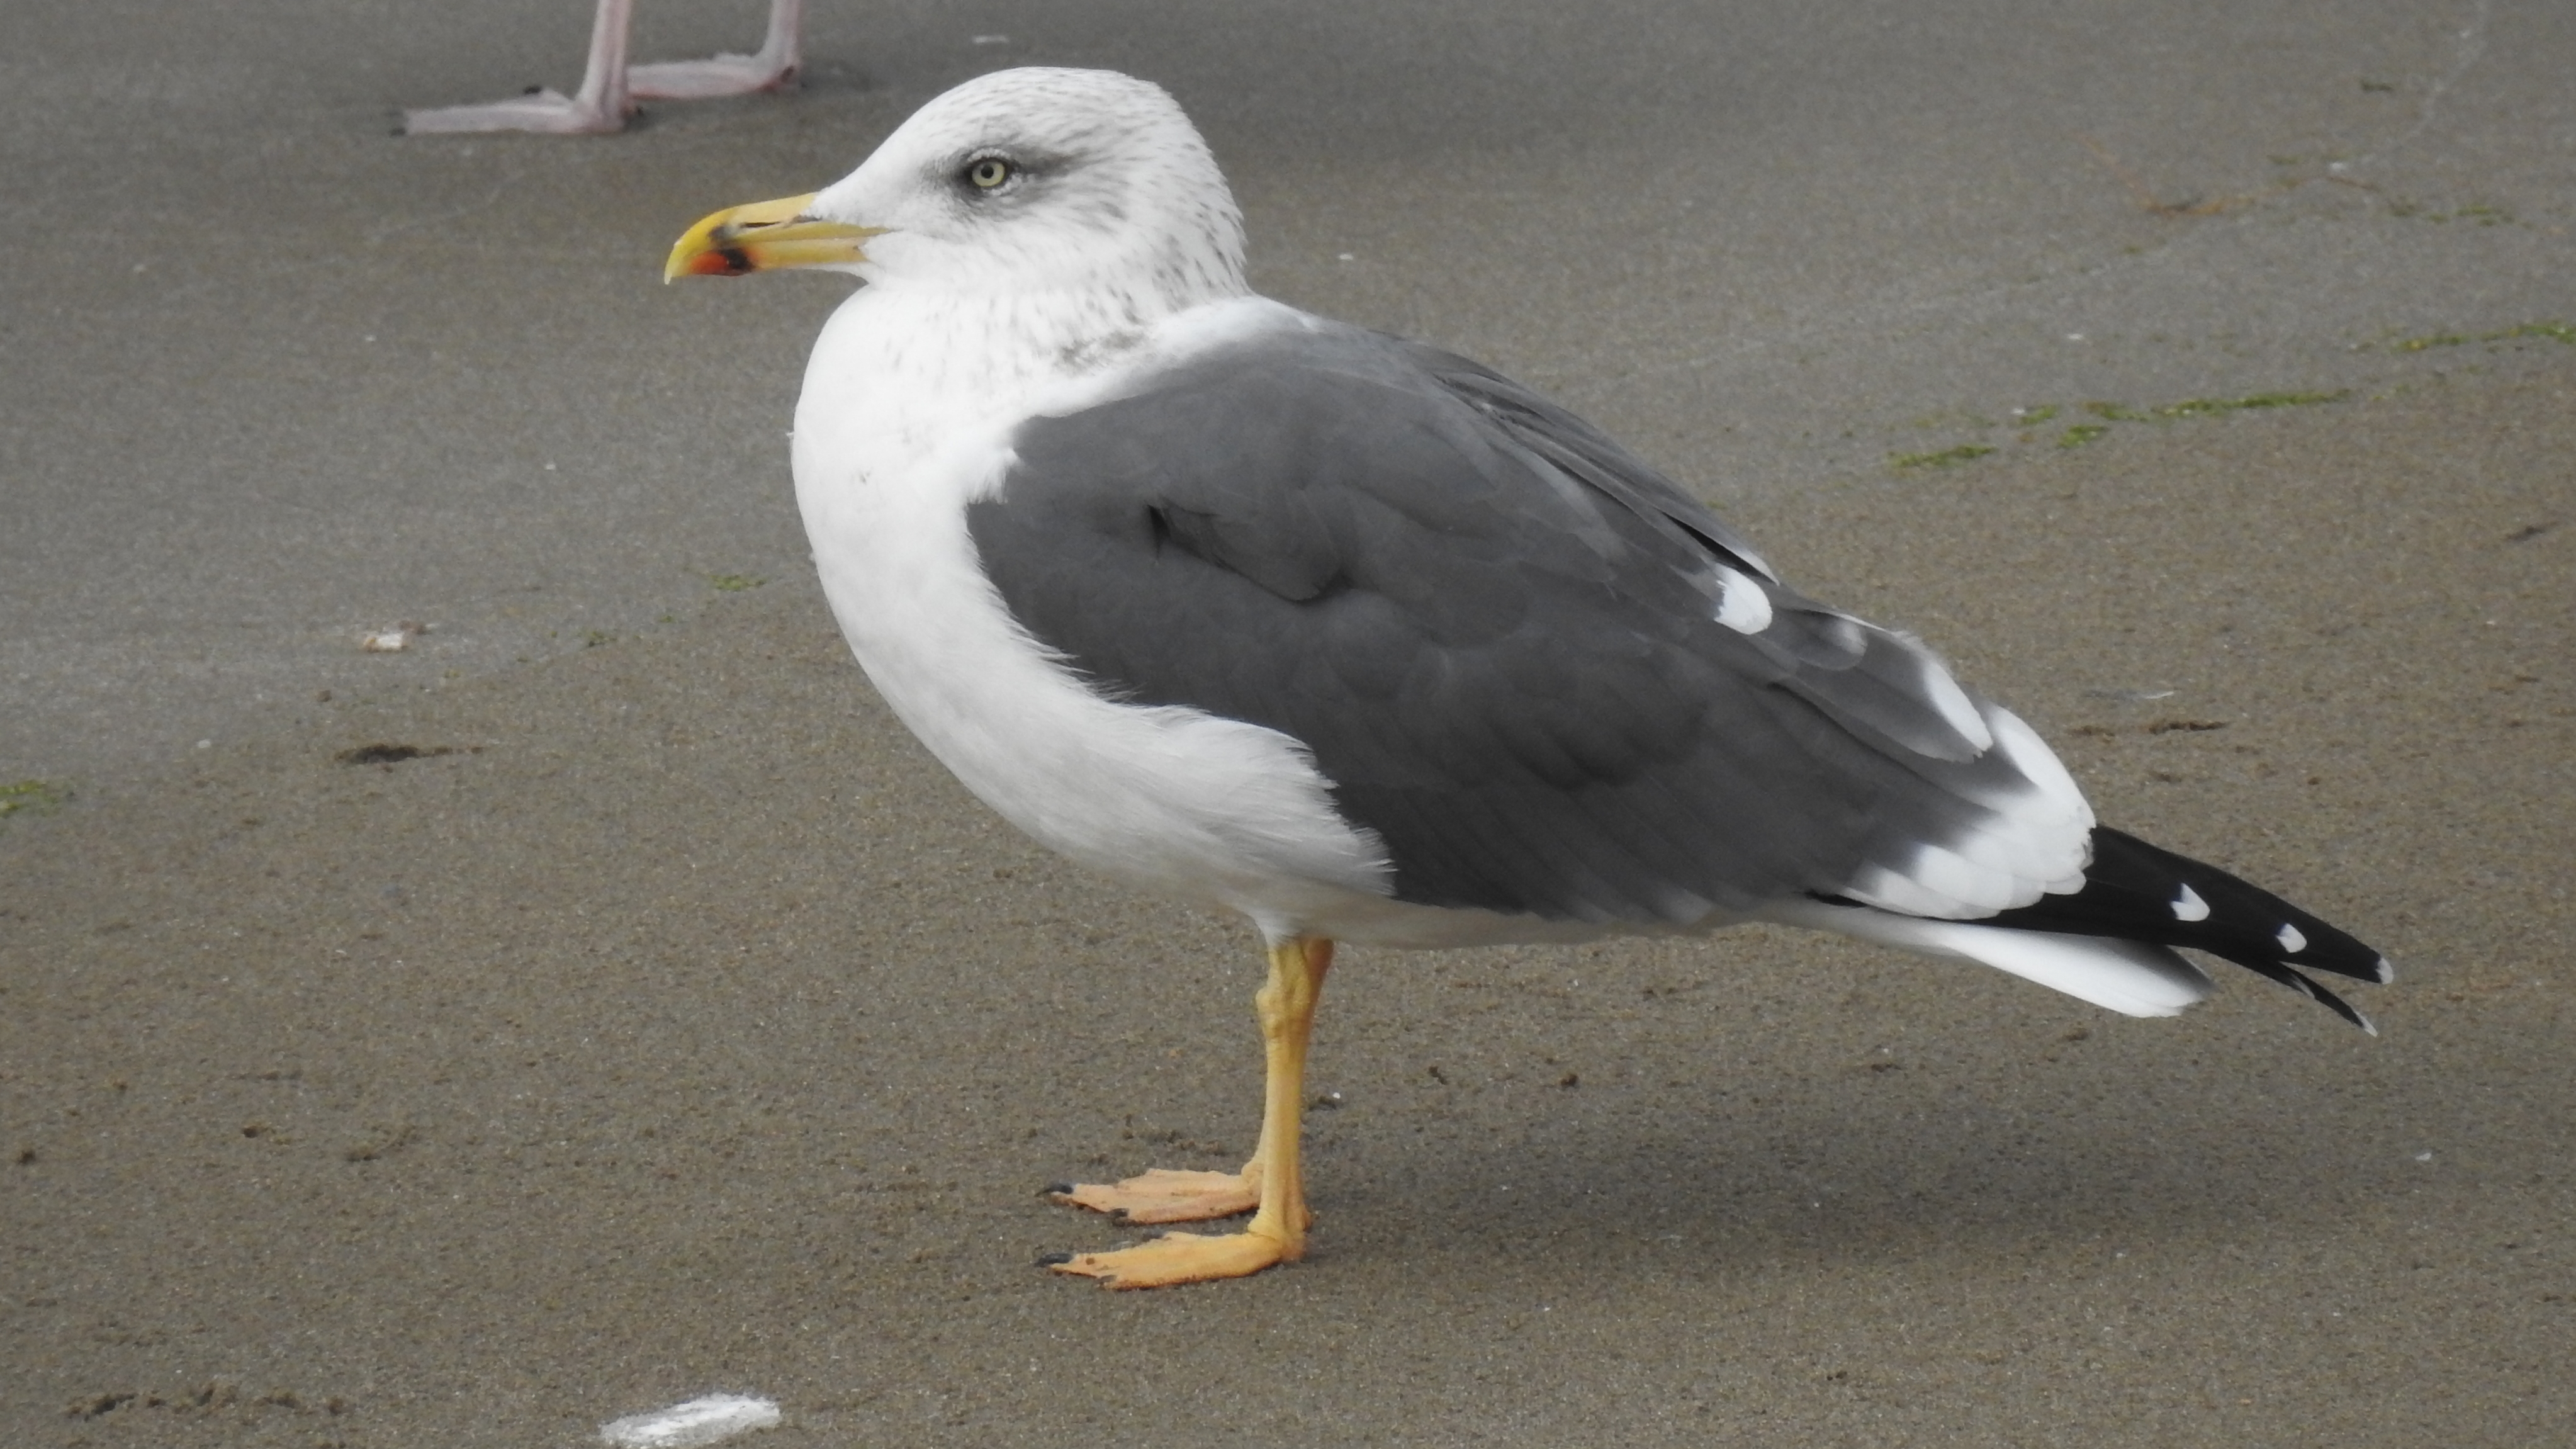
x,y
394,640
699,1421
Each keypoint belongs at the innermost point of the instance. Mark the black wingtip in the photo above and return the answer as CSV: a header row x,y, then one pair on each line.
x,y
2340,1007
2141,892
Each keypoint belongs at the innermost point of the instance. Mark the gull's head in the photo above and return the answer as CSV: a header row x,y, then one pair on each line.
x,y
1022,181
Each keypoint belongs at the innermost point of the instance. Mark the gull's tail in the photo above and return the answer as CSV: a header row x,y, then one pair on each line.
x,y
2111,942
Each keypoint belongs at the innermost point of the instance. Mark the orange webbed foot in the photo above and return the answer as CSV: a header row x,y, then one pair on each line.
x,y
1178,1258
1161,1195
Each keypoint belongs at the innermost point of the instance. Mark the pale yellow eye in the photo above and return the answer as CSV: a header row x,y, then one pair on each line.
x,y
988,172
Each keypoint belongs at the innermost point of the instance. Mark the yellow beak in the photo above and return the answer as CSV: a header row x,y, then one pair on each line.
x,y
762,237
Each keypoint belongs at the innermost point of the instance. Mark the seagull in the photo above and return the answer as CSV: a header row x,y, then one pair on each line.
x,y
610,87
1365,642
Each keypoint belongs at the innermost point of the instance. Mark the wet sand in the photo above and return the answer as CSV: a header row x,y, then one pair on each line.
x,y
655,1018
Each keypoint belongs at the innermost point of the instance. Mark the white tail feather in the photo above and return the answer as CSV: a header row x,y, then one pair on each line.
x,y
2132,977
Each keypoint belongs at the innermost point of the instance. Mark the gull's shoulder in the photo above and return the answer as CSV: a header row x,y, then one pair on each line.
x,y
1135,360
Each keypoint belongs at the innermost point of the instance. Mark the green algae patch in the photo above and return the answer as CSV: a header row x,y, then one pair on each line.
x,y
2118,412
2102,414
2474,214
2550,331
2207,407
32,797
2204,407
734,583
1946,458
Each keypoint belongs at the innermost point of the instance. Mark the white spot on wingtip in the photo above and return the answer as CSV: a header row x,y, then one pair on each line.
x,y
1744,607
2188,906
2291,941
699,1421
2386,973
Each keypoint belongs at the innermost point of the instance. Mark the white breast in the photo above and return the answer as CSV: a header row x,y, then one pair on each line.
x,y
903,422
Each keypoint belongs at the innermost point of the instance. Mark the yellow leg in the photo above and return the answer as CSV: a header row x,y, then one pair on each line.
x,y
1270,1181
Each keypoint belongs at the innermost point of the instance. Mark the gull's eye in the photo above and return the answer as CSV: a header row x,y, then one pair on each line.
x,y
988,173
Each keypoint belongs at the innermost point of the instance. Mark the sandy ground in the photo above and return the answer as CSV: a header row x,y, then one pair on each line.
x,y
666,1022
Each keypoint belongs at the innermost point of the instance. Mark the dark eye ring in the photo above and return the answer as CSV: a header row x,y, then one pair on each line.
x,y
988,173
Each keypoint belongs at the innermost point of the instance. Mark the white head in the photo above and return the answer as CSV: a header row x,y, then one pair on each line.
x,y
1045,180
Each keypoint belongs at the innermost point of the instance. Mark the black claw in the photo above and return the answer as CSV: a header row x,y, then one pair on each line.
x,y
1049,1260
1056,1189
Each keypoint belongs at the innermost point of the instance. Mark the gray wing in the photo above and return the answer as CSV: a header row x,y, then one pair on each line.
x,y
1498,632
